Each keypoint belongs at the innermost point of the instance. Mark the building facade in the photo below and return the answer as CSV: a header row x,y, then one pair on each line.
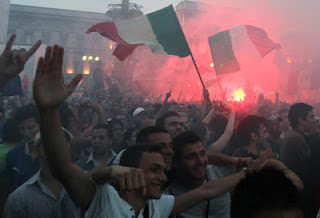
x,y
4,16
83,52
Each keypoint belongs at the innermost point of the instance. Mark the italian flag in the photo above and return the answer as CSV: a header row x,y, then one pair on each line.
x,y
237,48
160,30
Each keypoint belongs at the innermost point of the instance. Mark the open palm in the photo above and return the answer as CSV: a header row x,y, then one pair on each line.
x,y
49,89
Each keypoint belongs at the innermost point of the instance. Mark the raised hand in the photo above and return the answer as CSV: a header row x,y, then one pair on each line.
x,y
168,95
12,61
49,89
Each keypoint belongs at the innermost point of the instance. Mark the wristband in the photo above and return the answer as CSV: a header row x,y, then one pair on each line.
x,y
239,162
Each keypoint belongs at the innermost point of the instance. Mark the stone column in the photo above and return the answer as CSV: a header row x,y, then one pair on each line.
x,y
4,17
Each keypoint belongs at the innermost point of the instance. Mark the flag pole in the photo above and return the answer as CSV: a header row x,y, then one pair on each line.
x,y
222,93
195,65
204,87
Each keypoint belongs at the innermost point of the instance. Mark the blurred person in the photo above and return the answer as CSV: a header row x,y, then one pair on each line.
x,y
102,154
129,139
117,128
274,130
42,195
268,193
21,163
11,138
155,135
12,63
172,122
285,124
296,152
252,137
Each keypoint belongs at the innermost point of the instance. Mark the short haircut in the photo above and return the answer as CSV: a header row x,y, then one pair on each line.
x,y
143,135
104,126
298,110
183,139
116,121
267,190
126,136
131,157
161,120
26,112
218,125
200,129
250,124
10,131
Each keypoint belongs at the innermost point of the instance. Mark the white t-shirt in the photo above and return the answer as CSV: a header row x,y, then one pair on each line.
x,y
108,203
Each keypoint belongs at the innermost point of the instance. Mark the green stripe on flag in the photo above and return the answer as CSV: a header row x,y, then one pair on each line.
x,y
167,29
222,53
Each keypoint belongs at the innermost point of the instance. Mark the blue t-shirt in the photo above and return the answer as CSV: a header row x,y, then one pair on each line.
x,y
19,166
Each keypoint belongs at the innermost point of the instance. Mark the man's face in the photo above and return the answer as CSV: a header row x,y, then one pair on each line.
x,y
28,130
117,132
163,139
309,123
261,137
153,166
275,129
100,141
174,126
193,161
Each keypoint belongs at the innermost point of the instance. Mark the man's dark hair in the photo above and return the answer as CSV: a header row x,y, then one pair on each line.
x,y
10,132
161,120
267,190
218,125
200,129
126,136
104,126
265,110
115,121
183,139
26,112
298,110
143,135
248,125
131,157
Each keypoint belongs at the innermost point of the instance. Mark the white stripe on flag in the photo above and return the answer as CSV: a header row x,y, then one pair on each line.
x,y
243,48
138,30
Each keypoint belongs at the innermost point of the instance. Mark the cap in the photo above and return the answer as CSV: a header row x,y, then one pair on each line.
x,y
137,111
37,138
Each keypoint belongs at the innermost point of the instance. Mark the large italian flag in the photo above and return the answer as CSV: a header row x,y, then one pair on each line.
x,y
160,30
237,48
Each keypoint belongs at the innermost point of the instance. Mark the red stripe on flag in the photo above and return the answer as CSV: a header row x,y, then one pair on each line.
x,y
109,30
261,40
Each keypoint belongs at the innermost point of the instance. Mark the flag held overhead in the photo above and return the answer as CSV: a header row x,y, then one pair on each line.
x,y
160,30
235,49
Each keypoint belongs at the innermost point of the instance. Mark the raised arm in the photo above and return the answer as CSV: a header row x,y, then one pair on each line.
x,y
164,106
12,61
218,145
98,117
216,187
49,92
205,192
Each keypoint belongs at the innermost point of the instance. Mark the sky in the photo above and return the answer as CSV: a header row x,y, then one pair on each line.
x,y
95,5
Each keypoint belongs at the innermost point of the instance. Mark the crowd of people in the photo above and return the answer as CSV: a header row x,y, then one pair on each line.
x,y
113,153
